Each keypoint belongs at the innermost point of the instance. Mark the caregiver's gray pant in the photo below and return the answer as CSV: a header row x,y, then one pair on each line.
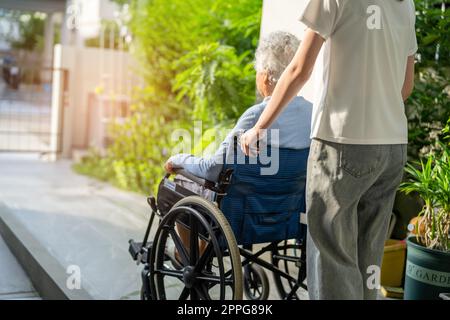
x,y
349,198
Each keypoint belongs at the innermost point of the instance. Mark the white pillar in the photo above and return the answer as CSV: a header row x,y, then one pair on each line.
x,y
57,105
283,15
61,114
48,40
49,35
65,32
69,33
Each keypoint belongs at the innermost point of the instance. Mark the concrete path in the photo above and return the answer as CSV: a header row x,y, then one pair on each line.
x,y
14,283
81,222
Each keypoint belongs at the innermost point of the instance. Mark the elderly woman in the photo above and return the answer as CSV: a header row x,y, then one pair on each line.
x,y
273,55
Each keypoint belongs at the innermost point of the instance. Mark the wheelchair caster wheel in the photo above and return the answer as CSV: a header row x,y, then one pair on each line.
x,y
256,283
289,257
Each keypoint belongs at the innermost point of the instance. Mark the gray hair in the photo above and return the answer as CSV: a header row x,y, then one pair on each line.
x,y
274,53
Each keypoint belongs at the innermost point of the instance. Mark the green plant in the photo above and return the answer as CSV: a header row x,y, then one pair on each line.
x,y
426,110
196,62
31,31
432,26
431,180
218,83
429,105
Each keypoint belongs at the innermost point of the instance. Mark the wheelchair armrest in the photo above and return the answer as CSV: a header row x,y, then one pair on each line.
x,y
203,182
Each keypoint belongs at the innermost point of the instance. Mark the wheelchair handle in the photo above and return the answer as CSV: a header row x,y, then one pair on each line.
x,y
190,176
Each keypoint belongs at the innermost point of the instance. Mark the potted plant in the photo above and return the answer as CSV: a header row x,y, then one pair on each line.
x,y
428,252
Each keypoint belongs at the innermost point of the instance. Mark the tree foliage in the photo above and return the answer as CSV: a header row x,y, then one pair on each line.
x,y
196,61
428,108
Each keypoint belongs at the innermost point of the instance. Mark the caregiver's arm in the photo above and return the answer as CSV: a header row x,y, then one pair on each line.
x,y
408,84
291,81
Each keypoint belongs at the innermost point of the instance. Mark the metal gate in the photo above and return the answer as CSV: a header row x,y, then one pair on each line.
x,y
27,121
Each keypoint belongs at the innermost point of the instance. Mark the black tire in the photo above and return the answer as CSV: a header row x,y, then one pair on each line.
x,y
290,259
199,273
256,283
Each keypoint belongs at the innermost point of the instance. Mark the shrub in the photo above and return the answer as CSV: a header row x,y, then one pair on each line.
x,y
196,61
431,180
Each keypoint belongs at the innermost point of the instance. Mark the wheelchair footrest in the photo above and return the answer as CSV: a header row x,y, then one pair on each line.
x,y
138,252
134,249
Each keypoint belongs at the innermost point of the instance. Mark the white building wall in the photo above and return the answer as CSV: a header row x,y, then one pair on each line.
x,y
92,12
92,72
283,15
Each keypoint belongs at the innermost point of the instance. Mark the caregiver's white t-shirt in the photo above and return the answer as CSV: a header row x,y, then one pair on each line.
x,y
364,63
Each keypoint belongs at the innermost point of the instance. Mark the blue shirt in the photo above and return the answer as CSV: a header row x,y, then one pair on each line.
x,y
294,125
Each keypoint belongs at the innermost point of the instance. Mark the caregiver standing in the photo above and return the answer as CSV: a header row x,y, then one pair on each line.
x,y
359,132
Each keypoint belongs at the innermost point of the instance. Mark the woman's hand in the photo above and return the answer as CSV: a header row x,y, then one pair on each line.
x,y
249,142
168,166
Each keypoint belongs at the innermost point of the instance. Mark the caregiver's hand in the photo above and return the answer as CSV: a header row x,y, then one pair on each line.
x,y
249,141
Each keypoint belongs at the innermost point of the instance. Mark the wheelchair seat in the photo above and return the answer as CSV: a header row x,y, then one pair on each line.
x,y
267,207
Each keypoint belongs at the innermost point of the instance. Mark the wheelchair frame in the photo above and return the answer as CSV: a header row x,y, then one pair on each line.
x,y
142,252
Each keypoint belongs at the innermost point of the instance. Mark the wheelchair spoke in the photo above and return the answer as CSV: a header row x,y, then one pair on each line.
x,y
193,294
214,279
204,259
170,273
184,294
293,293
179,246
194,251
202,293
256,291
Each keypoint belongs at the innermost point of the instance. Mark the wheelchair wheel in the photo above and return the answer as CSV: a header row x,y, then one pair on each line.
x,y
144,295
289,257
256,283
208,266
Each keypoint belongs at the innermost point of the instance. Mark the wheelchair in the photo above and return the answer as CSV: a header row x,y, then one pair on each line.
x,y
219,256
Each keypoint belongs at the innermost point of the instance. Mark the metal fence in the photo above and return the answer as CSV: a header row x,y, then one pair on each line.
x,y
27,121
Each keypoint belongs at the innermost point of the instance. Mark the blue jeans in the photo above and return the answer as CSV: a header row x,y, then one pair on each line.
x,y
349,199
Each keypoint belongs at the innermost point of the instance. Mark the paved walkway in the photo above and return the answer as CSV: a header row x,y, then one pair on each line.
x,y
14,283
82,222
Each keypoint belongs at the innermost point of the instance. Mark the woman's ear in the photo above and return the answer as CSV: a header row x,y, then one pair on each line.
x,y
269,84
264,84
266,79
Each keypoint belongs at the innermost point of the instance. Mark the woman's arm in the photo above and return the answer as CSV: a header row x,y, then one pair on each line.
x,y
408,84
290,83
209,168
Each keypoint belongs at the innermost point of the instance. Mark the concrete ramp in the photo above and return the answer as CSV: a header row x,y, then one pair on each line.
x,y
46,273
14,283
61,226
